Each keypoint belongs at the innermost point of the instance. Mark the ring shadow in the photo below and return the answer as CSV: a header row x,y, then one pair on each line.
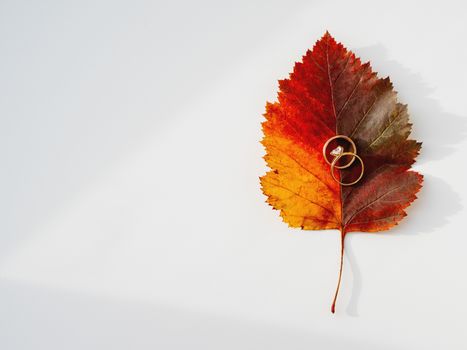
x,y
440,132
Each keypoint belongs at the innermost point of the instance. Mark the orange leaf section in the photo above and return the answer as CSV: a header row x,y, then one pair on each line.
x,y
304,193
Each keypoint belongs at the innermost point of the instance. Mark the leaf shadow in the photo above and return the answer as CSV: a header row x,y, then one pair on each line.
x,y
352,306
440,133
436,203
439,130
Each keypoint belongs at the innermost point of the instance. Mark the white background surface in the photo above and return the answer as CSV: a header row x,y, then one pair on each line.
x,y
131,215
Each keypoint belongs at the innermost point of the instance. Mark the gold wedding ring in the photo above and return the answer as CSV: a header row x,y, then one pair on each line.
x,y
336,159
338,153
338,150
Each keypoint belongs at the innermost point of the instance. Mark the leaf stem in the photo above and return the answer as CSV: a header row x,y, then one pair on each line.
x,y
333,307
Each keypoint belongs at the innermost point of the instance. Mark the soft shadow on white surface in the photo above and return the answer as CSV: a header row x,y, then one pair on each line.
x,y
436,203
55,320
83,85
352,306
440,132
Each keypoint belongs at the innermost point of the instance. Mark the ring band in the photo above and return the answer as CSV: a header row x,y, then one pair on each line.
x,y
333,166
353,152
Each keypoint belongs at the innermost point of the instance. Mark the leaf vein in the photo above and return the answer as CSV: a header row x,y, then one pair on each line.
x,y
352,93
343,70
363,118
305,198
370,204
385,129
375,220
303,167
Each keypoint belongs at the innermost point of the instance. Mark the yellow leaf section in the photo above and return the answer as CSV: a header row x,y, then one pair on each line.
x,y
300,186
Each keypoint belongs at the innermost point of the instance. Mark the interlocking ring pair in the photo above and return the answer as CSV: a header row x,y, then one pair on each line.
x,y
338,153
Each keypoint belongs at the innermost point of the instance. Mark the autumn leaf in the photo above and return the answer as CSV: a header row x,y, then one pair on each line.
x,y
332,93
